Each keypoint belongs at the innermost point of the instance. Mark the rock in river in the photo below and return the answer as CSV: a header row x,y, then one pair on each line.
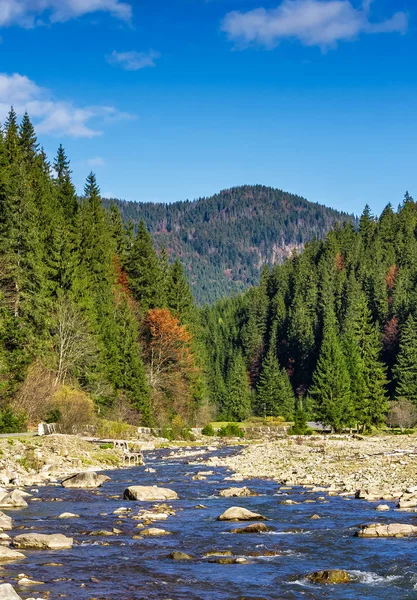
x,y
42,541
6,522
237,492
330,577
236,513
90,479
180,556
7,554
12,500
384,530
254,528
7,592
149,493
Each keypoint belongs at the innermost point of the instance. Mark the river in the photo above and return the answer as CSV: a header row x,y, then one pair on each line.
x,y
123,568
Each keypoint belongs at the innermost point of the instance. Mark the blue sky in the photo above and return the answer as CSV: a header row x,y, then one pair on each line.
x,y
173,99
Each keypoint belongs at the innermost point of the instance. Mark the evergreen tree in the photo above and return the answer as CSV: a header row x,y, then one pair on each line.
x,y
405,369
275,396
237,402
331,385
27,139
179,295
144,272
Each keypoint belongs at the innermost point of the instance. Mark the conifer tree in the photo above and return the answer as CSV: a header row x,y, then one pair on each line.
x,y
275,396
66,190
237,402
27,139
179,295
331,384
144,271
405,369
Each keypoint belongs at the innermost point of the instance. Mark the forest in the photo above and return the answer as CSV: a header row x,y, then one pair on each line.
x,y
224,241
97,321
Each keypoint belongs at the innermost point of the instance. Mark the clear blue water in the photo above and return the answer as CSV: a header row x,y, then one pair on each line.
x,y
130,569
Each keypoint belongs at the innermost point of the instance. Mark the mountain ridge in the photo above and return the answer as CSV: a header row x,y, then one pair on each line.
x,y
224,240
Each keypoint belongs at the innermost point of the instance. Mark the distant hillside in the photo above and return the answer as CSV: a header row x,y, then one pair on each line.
x,y
224,241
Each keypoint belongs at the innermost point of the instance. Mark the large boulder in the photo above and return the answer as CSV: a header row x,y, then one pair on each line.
x,y
8,554
6,522
149,493
237,492
330,577
236,513
7,592
13,500
42,541
90,479
384,530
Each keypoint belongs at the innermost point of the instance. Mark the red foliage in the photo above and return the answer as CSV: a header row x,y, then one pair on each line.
x,y
391,334
121,289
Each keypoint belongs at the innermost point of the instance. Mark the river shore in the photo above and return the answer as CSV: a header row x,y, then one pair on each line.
x,y
41,460
376,467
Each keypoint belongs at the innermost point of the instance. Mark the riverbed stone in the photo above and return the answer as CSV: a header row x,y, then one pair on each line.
x,y
148,493
333,576
42,541
253,528
154,531
382,508
237,492
6,522
88,480
237,513
8,554
390,530
68,515
7,592
12,500
180,556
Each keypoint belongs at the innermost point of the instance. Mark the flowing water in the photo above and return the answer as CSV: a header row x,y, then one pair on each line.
x,y
123,568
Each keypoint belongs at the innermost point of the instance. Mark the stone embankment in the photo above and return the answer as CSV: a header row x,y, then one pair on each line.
x,y
374,468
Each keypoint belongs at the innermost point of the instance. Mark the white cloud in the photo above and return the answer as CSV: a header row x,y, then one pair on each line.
x,y
133,61
96,162
52,117
312,22
29,13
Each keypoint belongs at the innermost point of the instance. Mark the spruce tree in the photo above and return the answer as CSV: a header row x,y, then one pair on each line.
x,y
27,139
237,402
144,272
275,396
331,384
405,370
179,295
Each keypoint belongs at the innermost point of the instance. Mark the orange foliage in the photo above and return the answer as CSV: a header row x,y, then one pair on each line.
x,y
391,277
339,262
170,363
121,289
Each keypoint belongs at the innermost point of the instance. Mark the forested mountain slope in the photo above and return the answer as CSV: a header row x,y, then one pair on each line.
x,y
224,241
334,326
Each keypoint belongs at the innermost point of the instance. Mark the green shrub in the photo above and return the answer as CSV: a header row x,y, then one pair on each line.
x,y
231,430
11,422
107,446
208,430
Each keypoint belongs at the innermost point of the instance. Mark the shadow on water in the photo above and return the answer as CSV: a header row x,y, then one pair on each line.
x,y
123,568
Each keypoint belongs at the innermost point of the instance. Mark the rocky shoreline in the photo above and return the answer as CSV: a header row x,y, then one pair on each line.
x,y
373,468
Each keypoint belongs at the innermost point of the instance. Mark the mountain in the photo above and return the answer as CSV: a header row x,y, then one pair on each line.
x,y
225,240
